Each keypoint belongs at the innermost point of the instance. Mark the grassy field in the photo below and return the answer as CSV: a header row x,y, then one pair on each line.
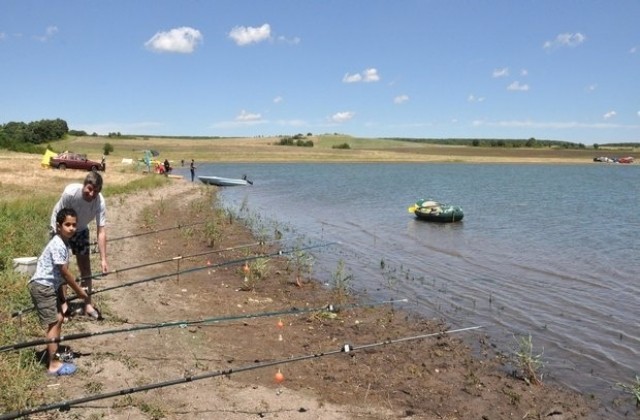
x,y
266,149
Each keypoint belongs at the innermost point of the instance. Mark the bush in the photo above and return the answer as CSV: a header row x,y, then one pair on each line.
x,y
107,148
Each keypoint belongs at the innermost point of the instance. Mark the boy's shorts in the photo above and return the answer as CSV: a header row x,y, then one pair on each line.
x,y
45,299
79,243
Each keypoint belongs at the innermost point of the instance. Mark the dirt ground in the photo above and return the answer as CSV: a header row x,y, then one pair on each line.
x,y
437,377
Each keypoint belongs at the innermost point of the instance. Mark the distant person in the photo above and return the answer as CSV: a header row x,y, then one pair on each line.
x,y
45,287
167,167
104,164
192,168
89,204
182,162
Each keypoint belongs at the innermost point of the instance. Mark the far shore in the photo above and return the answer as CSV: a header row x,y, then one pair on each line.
x,y
20,171
267,149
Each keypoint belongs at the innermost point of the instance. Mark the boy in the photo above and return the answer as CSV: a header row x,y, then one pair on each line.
x,y
52,270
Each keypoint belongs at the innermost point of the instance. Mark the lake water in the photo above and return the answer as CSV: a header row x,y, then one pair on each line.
x,y
546,250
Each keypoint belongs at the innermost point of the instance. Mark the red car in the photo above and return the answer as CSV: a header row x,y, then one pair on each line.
x,y
75,161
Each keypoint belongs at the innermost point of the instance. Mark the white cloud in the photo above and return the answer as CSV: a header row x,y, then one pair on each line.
x,y
2,36
638,113
351,78
245,116
503,72
278,99
524,72
292,123
592,87
178,40
473,98
117,127
371,75
242,35
633,50
341,117
518,87
565,40
48,34
367,76
609,114
292,41
401,99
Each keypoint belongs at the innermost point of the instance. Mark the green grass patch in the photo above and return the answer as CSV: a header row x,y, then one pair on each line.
x,y
24,226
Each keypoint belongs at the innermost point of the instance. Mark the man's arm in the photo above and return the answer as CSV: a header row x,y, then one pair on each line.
x,y
102,248
54,214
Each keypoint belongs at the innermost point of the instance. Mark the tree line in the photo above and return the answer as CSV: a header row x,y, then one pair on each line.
x,y
29,137
531,143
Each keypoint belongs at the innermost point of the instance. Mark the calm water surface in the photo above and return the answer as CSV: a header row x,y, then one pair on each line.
x,y
546,250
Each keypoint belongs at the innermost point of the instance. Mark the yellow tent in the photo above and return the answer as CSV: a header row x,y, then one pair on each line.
x,y
46,157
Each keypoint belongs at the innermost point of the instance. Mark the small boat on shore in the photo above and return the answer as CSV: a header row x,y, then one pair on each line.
x,y
434,211
224,182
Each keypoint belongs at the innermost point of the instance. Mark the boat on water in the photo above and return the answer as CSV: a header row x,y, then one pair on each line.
x,y
224,182
606,159
434,211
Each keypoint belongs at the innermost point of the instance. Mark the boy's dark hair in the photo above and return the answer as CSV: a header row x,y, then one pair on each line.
x,y
62,215
95,179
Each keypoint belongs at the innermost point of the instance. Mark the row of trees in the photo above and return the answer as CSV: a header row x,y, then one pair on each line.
x,y
531,142
26,137
297,140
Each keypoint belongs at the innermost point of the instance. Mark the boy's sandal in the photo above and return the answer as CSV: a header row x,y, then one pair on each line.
x,y
65,369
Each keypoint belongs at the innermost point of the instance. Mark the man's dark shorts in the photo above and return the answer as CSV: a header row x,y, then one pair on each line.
x,y
79,243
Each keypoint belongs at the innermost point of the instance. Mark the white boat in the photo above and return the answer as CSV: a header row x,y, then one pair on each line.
x,y
224,182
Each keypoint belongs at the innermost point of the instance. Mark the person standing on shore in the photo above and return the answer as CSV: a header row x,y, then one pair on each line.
x,y
192,168
89,204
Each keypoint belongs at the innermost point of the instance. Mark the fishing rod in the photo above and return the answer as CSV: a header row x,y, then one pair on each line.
x,y
190,270
178,226
183,324
346,348
208,267
176,258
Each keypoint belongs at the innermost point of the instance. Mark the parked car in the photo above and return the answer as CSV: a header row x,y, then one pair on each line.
x,y
75,161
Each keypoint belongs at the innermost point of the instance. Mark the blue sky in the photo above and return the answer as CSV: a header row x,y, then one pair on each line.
x,y
549,69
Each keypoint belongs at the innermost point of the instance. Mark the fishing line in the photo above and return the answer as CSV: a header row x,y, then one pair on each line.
x,y
183,324
178,257
193,270
151,232
346,348
208,267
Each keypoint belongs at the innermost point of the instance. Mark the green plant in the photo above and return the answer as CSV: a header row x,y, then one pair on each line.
x,y
528,362
254,272
107,148
340,280
211,233
153,411
300,263
633,389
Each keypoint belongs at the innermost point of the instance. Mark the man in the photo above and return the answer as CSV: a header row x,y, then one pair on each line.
x,y
89,205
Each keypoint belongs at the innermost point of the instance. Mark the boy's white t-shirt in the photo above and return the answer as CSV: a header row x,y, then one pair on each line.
x,y
48,272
